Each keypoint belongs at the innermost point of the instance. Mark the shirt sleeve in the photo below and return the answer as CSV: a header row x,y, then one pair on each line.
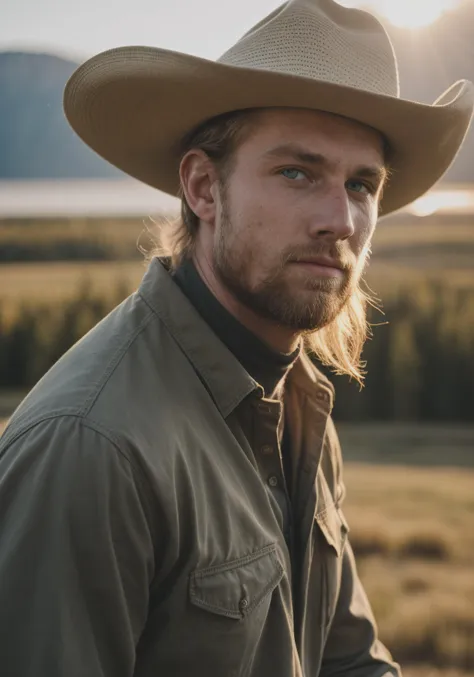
x,y
76,554
353,648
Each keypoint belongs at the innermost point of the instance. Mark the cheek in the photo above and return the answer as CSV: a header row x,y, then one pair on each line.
x,y
257,229
364,226
260,218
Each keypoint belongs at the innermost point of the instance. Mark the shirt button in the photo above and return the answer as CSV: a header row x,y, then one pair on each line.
x,y
273,481
243,604
267,449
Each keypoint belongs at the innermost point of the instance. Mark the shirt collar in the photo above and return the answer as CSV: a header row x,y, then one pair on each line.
x,y
317,387
266,366
225,378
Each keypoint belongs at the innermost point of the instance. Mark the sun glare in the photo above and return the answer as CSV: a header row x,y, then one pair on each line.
x,y
407,13
449,201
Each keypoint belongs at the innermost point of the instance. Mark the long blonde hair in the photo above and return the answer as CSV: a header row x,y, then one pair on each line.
x,y
338,345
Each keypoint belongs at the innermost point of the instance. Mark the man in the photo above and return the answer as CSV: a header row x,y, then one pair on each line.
x,y
171,490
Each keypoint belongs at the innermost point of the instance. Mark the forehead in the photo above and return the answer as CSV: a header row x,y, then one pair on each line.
x,y
318,131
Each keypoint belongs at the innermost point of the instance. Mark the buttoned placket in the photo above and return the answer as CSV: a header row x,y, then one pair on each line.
x,y
267,449
320,406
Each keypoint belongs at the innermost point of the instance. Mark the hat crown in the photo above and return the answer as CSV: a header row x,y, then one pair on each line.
x,y
322,40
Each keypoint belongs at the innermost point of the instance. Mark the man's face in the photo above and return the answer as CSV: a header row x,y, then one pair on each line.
x,y
298,212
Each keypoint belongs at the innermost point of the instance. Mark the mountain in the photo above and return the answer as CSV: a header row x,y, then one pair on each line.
x,y
37,142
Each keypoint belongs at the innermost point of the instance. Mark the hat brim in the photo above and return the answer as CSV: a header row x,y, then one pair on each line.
x,y
133,105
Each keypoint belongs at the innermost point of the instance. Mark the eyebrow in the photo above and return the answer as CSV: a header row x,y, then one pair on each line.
x,y
378,172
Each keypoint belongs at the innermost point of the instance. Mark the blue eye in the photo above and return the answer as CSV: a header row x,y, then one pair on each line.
x,y
292,173
357,187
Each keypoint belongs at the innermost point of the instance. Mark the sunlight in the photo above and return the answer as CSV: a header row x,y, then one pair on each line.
x,y
407,13
442,201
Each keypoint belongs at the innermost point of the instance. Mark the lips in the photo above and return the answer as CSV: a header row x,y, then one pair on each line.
x,y
321,261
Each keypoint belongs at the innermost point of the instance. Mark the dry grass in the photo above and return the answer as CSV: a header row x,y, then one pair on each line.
x,y
388,278
120,235
432,671
55,281
408,443
411,529
408,233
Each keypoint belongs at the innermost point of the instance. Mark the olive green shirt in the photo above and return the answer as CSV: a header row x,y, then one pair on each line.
x,y
141,533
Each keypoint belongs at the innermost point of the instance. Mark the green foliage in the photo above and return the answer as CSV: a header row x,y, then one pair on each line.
x,y
38,335
24,240
67,250
420,363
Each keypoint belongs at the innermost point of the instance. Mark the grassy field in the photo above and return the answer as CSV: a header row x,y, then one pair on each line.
x,y
412,533
56,280
408,444
121,237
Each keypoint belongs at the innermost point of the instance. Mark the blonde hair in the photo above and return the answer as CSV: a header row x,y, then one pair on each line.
x,y
338,345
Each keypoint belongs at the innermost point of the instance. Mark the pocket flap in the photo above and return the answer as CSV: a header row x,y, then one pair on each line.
x,y
334,527
235,588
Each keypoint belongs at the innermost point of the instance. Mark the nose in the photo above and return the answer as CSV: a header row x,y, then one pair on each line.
x,y
332,218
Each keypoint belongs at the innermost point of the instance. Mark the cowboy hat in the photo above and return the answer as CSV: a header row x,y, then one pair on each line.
x,y
133,105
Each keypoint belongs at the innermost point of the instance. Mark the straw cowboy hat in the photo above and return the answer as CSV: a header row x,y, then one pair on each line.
x,y
132,105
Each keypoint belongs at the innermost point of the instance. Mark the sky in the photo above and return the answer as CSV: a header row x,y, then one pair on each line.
x,y
205,28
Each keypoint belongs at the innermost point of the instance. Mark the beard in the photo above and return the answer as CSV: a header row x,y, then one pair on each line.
x,y
316,303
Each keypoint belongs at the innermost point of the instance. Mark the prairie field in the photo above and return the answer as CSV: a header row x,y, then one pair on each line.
x,y
55,281
411,529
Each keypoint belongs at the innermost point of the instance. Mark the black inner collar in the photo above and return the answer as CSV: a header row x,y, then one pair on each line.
x,y
263,364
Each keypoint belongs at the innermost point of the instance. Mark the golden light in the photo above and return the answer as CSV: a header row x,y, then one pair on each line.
x,y
442,201
407,13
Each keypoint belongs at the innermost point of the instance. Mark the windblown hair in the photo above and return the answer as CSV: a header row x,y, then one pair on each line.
x,y
339,344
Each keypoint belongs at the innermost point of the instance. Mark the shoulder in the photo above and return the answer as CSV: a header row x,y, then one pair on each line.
x,y
60,440
109,374
64,479
73,454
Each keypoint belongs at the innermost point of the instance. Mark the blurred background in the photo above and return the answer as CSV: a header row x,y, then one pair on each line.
x,y
71,232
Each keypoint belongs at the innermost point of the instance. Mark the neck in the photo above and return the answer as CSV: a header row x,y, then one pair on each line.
x,y
278,338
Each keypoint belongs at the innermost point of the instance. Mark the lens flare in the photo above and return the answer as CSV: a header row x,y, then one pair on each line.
x,y
410,14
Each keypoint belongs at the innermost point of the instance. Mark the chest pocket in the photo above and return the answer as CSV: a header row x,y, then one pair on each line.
x,y
236,596
331,530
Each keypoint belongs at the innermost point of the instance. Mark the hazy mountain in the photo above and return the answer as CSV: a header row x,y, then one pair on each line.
x,y
35,138
36,141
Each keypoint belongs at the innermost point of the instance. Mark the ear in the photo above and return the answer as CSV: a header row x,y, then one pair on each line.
x,y
199,181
